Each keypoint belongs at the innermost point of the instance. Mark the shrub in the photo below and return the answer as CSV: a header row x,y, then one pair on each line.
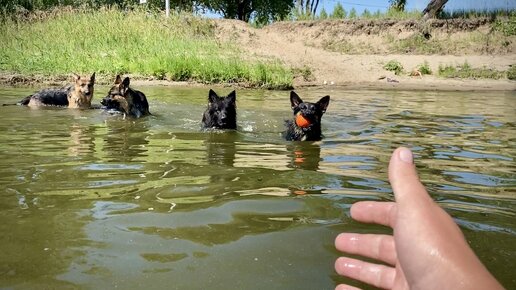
x,y
511,73
425,68
394,66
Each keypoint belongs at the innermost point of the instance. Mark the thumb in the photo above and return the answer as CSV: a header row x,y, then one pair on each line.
x,y
408,190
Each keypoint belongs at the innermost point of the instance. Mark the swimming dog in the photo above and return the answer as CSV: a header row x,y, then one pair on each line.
x,y
306,125
123,99
77,95
221,111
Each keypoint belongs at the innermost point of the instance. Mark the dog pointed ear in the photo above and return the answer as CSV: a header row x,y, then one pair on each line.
x,y
126,82
231,98
212,96
92,78
323,103
295,100
118,80
76,77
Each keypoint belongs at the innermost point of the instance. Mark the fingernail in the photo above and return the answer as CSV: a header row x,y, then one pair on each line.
x,y
406,155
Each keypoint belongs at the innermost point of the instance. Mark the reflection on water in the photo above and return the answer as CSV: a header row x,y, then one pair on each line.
x,y
90,200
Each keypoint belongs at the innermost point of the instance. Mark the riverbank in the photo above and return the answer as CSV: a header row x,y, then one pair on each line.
x,y
187,50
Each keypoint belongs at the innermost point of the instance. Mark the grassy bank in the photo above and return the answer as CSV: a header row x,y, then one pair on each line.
x,y
109,41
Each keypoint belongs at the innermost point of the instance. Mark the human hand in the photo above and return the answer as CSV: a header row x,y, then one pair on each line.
x,y
427,249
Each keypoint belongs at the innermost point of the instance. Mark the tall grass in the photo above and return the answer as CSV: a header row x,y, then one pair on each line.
x,y
142,43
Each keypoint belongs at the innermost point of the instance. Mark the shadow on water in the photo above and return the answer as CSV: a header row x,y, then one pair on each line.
x,y
92,200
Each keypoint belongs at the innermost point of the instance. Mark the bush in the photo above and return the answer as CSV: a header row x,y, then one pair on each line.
x,y
394,66
511,73
425,68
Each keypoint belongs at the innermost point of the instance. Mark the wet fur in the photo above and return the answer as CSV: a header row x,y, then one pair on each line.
x,y
221,112
76,95
124,99
310,111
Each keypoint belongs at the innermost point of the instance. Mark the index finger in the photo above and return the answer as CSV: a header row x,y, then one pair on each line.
x,y
376,212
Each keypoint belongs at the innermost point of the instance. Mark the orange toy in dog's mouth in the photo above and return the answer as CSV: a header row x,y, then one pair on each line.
x,y
302,121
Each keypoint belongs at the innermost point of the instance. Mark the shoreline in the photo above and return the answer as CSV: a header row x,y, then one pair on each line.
x,y
405,83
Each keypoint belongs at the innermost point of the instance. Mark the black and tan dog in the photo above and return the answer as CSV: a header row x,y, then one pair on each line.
x,y
221,112
77,95
306,125
123,99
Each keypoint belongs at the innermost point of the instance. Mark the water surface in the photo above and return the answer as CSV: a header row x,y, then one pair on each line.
x,y
89,200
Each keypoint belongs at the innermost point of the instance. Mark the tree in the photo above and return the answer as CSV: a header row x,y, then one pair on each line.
x,y
398,5
307,7
352,13
366,14
263,10
323,15
338,12
433,8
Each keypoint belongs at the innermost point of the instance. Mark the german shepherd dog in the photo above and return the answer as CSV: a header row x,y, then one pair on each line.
x,y
77,95
123,99
221,112
306,125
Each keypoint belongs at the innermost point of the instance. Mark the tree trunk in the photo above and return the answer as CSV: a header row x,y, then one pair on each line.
x,y
315,7
433,8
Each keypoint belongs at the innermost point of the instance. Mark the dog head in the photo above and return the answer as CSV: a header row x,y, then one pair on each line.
x,y
82,93
308,114
117,98
221,111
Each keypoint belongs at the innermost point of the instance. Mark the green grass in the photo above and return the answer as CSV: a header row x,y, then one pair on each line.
x,y
110,41
466,71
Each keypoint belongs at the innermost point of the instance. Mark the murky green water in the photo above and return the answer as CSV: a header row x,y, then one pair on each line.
x,y
88,200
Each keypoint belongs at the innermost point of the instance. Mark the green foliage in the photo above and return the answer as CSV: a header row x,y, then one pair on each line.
x,y
353,13
511,73
398,5
323,15
366,14
178,48
402,15
338,12
418,44
424,68
472,13
507,25
394,66
264,11
304,72
10,6
466,71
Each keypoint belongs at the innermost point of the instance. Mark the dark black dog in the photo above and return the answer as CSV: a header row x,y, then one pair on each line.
x,y
126,100
221,112
306,125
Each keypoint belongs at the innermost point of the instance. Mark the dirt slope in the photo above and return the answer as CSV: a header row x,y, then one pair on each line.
x,y
301,44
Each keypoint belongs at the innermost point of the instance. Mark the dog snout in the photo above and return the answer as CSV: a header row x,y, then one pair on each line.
x,y
223,116
104,101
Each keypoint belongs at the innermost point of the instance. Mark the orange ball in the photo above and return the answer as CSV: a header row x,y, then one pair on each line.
x,y
302,121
